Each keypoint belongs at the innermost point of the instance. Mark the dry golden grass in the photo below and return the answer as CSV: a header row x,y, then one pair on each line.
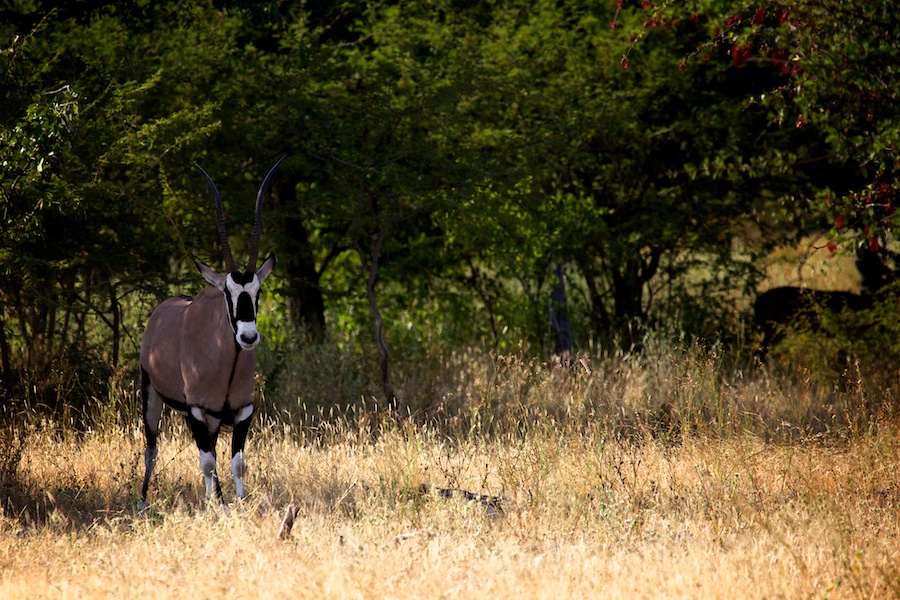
x,y
584,516
640,477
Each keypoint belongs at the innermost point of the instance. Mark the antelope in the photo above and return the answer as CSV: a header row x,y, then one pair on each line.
x,y
197,356
776,310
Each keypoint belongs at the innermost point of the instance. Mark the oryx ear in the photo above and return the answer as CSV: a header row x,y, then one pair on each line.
x,y
266,268
211,276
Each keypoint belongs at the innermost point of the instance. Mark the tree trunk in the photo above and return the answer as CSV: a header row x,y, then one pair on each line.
x,y
5,364
306,303
392,399
628,297
559,317
600,321
115,325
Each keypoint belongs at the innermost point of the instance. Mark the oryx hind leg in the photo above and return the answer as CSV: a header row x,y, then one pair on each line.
x,y
238,439
152,404
205,430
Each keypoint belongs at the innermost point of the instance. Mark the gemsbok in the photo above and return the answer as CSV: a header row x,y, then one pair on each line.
x,y
779,309
197,356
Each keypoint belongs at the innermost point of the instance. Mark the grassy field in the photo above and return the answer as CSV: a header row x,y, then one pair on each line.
x,y
660,476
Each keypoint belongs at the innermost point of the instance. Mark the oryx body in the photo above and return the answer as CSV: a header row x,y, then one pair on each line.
x,y
197,358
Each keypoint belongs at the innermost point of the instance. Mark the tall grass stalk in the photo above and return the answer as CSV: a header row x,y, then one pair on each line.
x,y
670,473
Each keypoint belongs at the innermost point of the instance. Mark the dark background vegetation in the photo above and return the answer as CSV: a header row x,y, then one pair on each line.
x,y
472,155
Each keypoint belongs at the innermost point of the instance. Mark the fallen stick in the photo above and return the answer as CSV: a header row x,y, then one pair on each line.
x,y
493,504
287,523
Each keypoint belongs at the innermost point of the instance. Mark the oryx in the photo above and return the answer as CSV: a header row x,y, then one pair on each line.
x,y
197,356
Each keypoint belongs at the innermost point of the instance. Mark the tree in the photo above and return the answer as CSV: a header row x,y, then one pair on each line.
x,y
639,177
449,163
837,79
90,117
36,125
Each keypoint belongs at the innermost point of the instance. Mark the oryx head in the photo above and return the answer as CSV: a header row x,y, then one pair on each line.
x,y
241,289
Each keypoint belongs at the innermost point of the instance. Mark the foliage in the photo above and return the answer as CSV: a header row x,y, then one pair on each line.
x,y
836,74
480,147
81,234
832,76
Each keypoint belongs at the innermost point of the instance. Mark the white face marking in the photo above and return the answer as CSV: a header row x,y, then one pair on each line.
x,y
246,335
235,289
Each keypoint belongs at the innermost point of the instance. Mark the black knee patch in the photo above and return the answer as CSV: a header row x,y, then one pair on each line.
x,y
239,435
200,431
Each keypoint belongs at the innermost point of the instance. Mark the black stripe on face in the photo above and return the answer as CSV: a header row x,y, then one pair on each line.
x,y
245,310
230,302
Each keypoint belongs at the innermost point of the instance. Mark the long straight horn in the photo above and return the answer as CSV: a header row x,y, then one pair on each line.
x,y
223,237
254,241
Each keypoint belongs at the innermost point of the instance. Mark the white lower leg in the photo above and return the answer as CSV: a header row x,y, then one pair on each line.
x,y
238,468
208,468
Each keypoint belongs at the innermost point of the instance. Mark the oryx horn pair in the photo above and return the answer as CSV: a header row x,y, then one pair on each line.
x,y
257,226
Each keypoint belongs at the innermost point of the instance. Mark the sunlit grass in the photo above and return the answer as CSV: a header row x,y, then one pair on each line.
x,y
812,265
670,474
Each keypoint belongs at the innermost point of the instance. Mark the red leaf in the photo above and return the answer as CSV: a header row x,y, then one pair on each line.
x,y
740,55
759,17
779,59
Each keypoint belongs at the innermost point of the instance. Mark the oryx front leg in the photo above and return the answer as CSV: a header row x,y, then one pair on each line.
x,y
206,431
238,438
